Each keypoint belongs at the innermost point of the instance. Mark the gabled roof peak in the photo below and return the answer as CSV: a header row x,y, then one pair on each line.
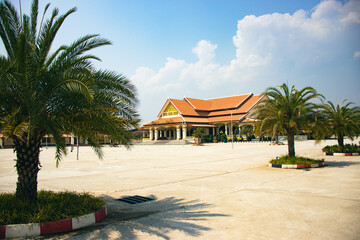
x,y
229,96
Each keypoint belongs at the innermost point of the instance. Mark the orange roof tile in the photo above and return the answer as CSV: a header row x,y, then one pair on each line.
x,y
227,118
184,107
200,105
217,103
248,105
196,120
228,102
161,121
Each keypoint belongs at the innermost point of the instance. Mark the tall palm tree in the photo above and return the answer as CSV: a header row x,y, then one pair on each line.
x,y
287,111
342,121
53,93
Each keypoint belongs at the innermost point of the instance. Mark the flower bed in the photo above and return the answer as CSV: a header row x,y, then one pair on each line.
x,y
295,162
296,166
53,212
65,225
346,150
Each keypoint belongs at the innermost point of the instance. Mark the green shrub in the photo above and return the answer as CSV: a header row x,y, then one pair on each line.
x,y
295,160
50,206
207,138
347,148
223,138
249,138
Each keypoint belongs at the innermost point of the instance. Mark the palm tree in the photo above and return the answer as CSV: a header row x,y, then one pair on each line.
x,y
54,93
287,111
198,134
248,131
342,121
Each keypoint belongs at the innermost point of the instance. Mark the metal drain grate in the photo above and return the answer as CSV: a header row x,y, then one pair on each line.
x,y
135,199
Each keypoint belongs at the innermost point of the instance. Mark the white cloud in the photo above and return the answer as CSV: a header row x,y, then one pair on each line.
x,y
148,80
205,51
267,47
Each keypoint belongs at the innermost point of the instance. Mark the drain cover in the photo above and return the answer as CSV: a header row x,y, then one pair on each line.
x,y
135,199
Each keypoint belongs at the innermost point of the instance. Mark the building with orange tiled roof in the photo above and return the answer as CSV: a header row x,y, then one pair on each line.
x,y
178,118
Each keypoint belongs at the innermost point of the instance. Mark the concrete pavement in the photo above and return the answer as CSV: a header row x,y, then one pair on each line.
x,y
207,192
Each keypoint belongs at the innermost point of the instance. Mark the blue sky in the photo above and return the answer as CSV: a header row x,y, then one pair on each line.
x,y
215,48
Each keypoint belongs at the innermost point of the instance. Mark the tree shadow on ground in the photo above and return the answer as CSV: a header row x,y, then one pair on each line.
x,y
340,164
156,218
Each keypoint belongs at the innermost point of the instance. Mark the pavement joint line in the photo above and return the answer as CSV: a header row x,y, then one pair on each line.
x,y
295,174
190,179
295,192
180,165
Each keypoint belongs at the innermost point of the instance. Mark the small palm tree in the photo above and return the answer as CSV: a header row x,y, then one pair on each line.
x,y
287,111
248,131
198,134
53,93
342,121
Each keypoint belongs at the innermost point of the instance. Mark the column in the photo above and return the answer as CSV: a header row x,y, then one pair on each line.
x,y
184,132
1,143
156,134
226,131
161,133
165,133
178,133
151,134
71,139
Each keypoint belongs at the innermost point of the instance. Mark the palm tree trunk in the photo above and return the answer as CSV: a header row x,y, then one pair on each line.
x,y
27,166
340,140
291,143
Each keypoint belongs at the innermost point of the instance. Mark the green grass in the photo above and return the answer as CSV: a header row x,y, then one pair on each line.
x,y
50,206
295,160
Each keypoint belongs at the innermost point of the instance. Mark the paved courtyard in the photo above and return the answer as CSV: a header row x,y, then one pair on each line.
x,y
207,192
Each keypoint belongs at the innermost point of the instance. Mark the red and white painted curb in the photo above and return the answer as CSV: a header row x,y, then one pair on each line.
x,y
296,166
341,154
36,229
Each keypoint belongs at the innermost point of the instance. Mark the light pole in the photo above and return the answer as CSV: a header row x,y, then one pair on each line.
x,y
232,134
77,148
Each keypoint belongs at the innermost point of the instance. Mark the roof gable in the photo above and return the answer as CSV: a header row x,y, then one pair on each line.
x,y
184,107
169,107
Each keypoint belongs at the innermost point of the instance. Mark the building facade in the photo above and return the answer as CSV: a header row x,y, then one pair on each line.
x,y
178,118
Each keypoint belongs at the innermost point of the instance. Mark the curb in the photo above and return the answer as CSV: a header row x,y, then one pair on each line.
x,y
65,225
298,166
341,154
